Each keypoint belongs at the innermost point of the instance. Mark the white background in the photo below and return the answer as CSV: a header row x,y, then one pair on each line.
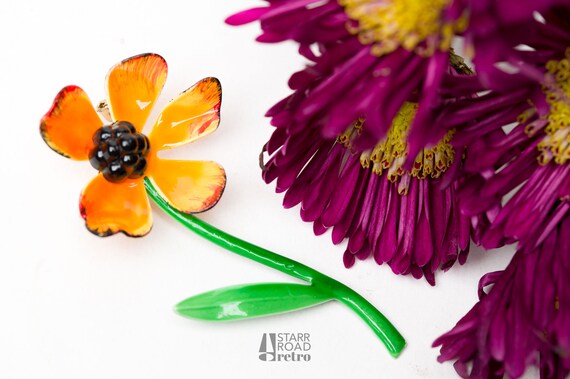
x,y
78,306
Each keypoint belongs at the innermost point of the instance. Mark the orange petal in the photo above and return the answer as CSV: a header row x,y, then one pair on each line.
x,y
133,87
192,115
109,208
189,186
69,125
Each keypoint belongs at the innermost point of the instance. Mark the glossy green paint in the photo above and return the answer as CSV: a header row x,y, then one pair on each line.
x,y
323,284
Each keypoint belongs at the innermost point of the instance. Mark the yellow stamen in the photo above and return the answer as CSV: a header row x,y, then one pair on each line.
x,y
556,144
389,155
411,24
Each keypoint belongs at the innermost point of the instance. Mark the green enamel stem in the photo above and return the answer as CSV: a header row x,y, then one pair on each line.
x,y
387,333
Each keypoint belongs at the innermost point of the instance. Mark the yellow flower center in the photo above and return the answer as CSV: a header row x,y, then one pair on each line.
x,y
389,24
556,144
389,155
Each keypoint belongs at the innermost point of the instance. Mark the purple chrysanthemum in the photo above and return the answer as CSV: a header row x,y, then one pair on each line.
x,y
523,320
407,218
371,145
375,67
530,162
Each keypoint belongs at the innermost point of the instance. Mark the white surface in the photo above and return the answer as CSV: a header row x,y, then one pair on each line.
x,y
78,306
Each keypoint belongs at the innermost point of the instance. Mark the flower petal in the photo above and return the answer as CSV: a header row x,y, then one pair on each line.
x,y
109,208
189,186
133,87
69,125
193,114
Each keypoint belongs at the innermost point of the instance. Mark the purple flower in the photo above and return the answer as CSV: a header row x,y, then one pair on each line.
x,y
374,57
372,145
529,162
407,218
523,320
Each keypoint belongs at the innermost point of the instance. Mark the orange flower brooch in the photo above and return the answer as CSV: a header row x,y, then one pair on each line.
x,y
130,172
115,200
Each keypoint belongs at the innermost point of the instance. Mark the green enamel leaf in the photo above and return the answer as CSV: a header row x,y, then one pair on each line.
x,y
250,300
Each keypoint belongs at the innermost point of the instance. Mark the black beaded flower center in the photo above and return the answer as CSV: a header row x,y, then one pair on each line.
x,y
119,151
